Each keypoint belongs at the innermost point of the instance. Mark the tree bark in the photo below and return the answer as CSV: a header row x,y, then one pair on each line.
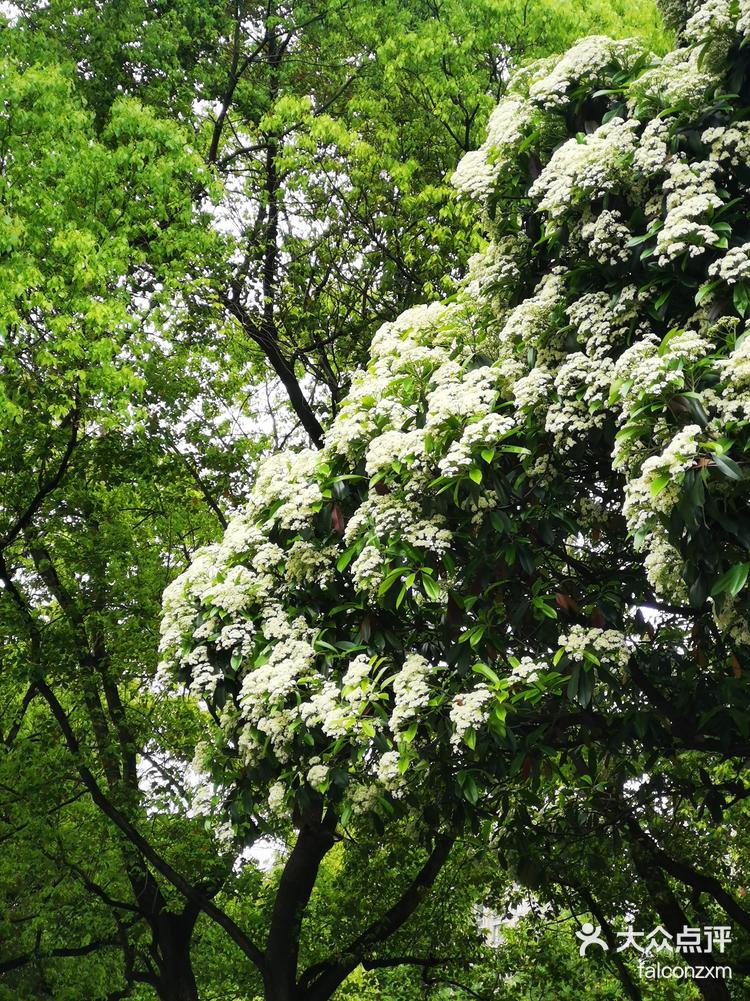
x,y
314,841
674,919
177,980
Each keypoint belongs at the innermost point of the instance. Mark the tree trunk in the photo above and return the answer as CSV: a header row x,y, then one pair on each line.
x,y
176,980
674,920
278,988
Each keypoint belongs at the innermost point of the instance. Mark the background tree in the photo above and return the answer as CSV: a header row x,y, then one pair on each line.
x,y
334,127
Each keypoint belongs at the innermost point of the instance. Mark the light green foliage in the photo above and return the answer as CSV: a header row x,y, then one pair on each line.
x,y
335,132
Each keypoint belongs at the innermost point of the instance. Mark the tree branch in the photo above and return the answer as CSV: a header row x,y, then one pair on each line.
x,y
45,488
140,843
326,977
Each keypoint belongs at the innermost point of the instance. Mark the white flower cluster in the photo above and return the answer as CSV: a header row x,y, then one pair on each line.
x,y
663,565
734,266
681,79
277,798
531,392
657,488
411,689
590,62
487,431
651,156
582,386
532,323
586,168
648,374
691,198
469,711
394,446
743,22
729,144
470,415
389,773
510,122
497,268
362,799
736,369
710,21
607,237
460,394
287,480
308,564
388,516
602,322
527,671
608,646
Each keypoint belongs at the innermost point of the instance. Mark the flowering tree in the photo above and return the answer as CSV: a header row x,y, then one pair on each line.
x,y
527,528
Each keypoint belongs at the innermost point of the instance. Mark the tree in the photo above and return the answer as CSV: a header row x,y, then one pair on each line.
x,y
333,127
119,456
97,228
522,551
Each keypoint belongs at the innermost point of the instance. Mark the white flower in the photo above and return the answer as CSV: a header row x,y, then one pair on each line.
x,y
270,683
734,266
586,168
393,446
691,199
587,61
645,495
469,711
526,670
609,646
358,670
362,798
607,237
327,709
411,690
509,123
317,775
389,773
276,798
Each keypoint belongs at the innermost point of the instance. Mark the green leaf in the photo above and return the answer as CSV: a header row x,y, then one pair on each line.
x,y
431,587
476,635
346,557
470,739
469,787
741,298
487,673
475,474
659,483
705,290
732,581
409,734
390,579
573,683
585,687
728,467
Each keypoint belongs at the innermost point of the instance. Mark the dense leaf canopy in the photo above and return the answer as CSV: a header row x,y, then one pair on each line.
x,y
521,475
